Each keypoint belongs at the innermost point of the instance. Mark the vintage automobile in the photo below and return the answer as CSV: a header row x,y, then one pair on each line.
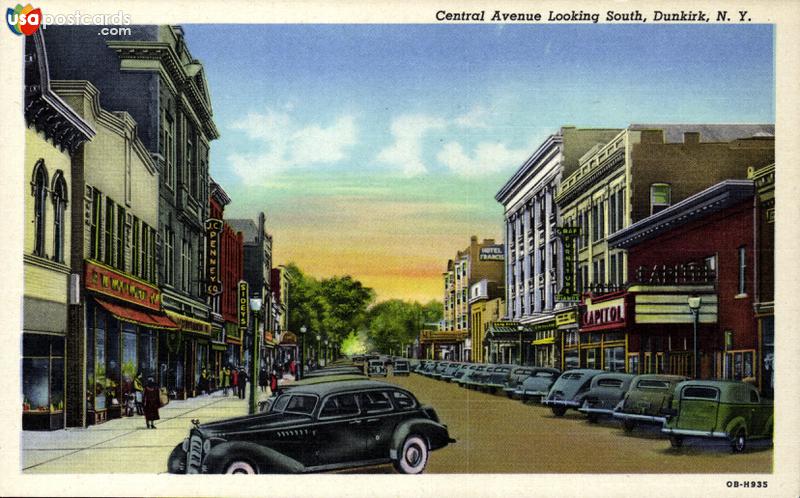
x,y
515,378
567,391
537,384
420,366
376,367
648,400
448,373
496,379
468,378
605,392
401,367
440,369
318,428
726,409
464,370
264,405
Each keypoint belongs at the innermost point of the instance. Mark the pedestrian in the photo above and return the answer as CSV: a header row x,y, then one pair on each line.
x,y
138,388
202,384
263,378
273,380
226,379
152,402
235,381
242,383
293,368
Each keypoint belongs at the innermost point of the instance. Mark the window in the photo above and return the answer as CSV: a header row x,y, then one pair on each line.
x,y
601,222
614,360
95,230
405,402
191,169
742,270
169,256
301,404
59,207
613,270
612,213
376,402
621,209
660,195
151,255
108,253
342,405
119,238
169,150
594,223
660,385
136,249
39,192
185,265
698,392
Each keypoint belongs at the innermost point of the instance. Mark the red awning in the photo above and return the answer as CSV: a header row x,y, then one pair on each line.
x,y
125,314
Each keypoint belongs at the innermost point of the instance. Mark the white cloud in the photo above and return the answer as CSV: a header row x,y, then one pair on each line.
x,y
406,151
477,117
286,144
486,158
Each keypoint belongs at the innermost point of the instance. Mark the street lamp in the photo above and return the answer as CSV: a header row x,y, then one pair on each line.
x,y
694,307
520,328
255,352
316,351
325,354
302,350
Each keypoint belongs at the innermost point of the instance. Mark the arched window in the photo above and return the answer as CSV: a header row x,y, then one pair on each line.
x,y
59,209
39,192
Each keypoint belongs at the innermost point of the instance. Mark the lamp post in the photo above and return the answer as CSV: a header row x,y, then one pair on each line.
x,y
325,352
520,328
255,353
694,307
302,350
316,351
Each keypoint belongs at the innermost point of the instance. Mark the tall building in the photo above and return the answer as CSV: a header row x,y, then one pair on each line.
x,y
150,74
533,244
54,137
479,261
643,170
486,306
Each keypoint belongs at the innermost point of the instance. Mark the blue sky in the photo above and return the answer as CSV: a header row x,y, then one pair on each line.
x,y
389,141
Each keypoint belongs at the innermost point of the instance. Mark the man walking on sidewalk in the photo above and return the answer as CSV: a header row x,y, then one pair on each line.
x,y
242,382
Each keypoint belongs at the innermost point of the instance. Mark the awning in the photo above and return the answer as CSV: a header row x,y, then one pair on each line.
x,y
131,315
546,340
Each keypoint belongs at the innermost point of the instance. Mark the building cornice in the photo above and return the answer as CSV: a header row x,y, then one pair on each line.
x,y
179,74
590,169
700,205
529,168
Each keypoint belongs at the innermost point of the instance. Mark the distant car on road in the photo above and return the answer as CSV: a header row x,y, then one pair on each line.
x,y
567,391
725,409
537,384
401,367
648,400
324,372
318,428
376,367
605,392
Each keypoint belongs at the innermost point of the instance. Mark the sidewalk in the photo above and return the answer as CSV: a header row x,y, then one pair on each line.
x,y
124,445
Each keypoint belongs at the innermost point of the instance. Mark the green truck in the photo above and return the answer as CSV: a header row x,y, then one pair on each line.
x,y
731,410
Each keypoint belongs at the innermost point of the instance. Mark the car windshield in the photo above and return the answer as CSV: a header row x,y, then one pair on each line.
x,y
699,392
572,376
609,382
652,384
298,403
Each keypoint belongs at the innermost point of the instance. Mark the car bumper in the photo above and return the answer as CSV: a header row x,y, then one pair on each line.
x,y
560,402
640,418
590,409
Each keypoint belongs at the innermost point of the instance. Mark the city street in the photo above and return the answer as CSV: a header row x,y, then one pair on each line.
x,y
499,435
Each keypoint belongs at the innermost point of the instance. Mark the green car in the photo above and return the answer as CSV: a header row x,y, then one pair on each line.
x,y
648,400
730,410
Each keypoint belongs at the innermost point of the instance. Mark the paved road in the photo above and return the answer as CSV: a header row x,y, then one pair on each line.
x,y
499,435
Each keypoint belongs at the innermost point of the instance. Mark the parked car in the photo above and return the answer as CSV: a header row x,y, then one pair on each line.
x,y
605,392
537,384
420,366
451,369
429,368
468,378
731,410
376,367
401,367
318,428
495,379
648,400
567,391
464,370
515,378
440,368
263,406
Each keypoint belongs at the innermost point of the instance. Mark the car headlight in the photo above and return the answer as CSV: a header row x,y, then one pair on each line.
x,y
185,444
206,446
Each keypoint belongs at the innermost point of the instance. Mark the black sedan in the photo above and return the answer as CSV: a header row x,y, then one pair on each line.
x,y
318,428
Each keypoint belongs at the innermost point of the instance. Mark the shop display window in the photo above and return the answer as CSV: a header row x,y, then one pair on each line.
x,y
42,373
129,364
740,365
614,359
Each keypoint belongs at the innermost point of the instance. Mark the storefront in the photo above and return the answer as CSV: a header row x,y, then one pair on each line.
x,y
601,341
510,342
190,356
233,341
542,352
42,381
123,324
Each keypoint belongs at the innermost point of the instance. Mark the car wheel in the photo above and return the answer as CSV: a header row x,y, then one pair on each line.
x,y
558,411
593,417
676,441
413,456
738,442
240,467
628,425
524,398
510,395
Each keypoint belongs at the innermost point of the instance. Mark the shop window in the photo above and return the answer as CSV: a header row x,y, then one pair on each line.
x,y
660,197
614,359
740,365
768,356
59,221
129,363
39,192
42,374
633,363
679,364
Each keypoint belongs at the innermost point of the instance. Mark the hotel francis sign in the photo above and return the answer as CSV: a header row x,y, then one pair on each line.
x,y
492,253
568,291
99,278
243,304
213,231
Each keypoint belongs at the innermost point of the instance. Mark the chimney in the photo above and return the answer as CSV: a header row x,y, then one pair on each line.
x,y
691,137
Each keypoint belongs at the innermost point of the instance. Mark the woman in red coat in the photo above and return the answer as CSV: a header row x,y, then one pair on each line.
x,y
151,402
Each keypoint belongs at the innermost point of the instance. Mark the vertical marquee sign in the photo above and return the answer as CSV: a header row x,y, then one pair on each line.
x,y
244,305
568,236
213,231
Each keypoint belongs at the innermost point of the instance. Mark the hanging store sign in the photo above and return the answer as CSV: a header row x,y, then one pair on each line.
x,y
541,327
213,231
567,318
568,291
492,253
244,304
100,278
